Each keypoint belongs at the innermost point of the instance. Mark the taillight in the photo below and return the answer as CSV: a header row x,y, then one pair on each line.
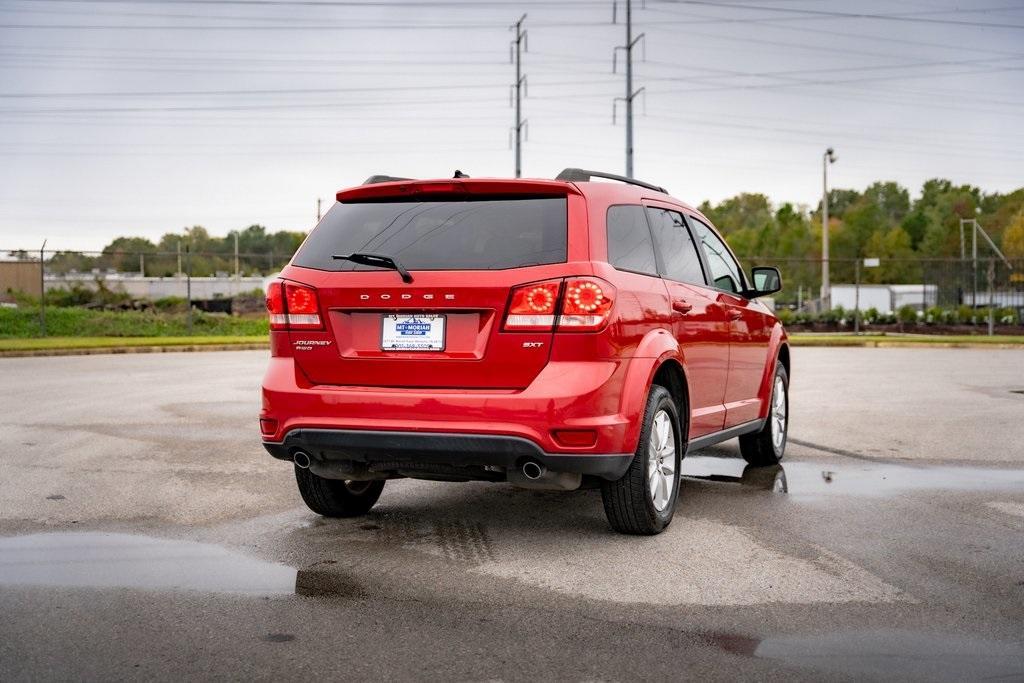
x,y
293,306
533,307
587,304
275,306
578,304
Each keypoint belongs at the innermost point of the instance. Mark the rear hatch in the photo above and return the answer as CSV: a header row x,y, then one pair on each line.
x,y
466,245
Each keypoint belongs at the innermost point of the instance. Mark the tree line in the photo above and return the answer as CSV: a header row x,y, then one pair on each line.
x,y
261,252
881,221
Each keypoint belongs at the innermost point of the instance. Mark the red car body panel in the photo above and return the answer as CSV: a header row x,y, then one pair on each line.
x,y
530,385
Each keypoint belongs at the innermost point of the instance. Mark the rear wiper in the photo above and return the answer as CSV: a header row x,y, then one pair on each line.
x,y
381,260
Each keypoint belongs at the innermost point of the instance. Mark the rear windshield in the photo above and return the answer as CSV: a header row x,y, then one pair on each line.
x,y
489,234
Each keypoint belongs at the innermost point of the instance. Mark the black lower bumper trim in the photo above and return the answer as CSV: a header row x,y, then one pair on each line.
x,y
417,449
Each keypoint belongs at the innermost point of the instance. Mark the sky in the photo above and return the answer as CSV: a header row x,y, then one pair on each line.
x,y
141,117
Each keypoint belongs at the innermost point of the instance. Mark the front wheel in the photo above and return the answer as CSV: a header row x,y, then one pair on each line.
x,y
335,497
767,446
643,501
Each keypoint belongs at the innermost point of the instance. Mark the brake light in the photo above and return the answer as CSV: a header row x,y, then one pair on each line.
x,y
532,307
581,304
293,306
587,304
275,306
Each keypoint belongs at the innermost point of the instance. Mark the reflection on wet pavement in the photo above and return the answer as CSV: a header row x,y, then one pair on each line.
x,y
847,477
768,478
102,560
900,655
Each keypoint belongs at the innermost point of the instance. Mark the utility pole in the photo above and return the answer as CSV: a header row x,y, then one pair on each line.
x,y
179,260
188,284
319,215
826,286
42,288
856,296
991,296
631,94
516,49
237,274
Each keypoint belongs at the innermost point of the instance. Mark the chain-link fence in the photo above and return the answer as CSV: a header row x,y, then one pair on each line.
x,y
936,289
139,275
919,283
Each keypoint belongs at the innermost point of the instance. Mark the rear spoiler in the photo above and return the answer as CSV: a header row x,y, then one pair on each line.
x,y
405,189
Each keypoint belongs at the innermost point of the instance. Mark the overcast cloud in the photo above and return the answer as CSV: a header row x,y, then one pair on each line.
x,y
133,117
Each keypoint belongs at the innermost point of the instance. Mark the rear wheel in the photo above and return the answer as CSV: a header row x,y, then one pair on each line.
x,y
336,497
767,446
643,501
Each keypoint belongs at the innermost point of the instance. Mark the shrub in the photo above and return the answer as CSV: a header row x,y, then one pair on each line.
x,y
907,314
171,303
76,295
1008,316
83,322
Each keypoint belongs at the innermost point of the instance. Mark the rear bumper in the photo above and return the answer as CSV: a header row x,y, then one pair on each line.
x,y
409,450
499,428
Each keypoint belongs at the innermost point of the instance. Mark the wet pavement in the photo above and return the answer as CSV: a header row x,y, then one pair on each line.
x,y
143,534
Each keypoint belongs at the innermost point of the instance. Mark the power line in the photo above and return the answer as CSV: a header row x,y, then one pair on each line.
x,y
907,17
282,91
428,4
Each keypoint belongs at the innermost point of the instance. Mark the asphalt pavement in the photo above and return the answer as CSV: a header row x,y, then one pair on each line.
x,y
145,534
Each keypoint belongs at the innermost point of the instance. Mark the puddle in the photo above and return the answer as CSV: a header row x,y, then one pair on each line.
x,y
899,655
102,560
845,477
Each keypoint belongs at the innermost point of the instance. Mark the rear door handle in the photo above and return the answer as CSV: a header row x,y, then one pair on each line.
x,y
681,306
734,314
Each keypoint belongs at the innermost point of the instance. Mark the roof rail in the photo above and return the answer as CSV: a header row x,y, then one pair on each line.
x,y
578,175
374,179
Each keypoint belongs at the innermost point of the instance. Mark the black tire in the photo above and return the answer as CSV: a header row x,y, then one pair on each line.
x,y
628,502
767,478
761,448
337,498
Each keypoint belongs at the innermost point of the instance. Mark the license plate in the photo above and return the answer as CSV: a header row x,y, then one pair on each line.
x,y
417,332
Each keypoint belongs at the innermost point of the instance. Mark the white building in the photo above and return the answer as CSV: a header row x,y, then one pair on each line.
x,y
884,298
139,287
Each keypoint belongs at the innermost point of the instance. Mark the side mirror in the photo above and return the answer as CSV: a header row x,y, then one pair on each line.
x,y
767,280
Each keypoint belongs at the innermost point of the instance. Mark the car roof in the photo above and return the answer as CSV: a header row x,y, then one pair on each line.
x,y
598,191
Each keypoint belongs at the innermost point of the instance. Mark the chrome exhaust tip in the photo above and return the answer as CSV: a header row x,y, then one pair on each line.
x,y
533,470
301,459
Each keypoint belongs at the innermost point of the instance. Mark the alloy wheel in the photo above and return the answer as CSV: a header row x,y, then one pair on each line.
x,y
662,477
778,416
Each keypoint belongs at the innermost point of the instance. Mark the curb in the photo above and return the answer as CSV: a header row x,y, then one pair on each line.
x,y
169,348
853,343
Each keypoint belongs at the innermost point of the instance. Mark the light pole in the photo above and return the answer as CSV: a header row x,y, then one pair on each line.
x,y
826,288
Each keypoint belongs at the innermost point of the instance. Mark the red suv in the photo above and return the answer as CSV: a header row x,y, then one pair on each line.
x,y
550,334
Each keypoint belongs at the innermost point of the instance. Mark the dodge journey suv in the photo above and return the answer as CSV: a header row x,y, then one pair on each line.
x,y
550,334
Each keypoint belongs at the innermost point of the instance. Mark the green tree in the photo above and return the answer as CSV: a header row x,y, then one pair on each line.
x,y
1013,238
839,200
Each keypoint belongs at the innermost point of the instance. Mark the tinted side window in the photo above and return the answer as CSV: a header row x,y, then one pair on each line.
x,y
480,234
678,253
629,240
725,272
